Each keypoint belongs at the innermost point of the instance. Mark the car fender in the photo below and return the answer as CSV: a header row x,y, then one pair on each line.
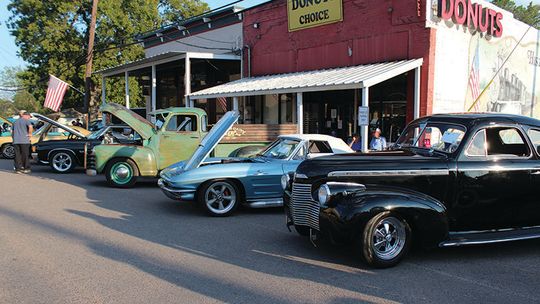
x,y
192,179
79,161
143,157
426,215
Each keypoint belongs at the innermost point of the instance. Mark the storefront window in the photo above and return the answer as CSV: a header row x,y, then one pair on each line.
x,y
268,109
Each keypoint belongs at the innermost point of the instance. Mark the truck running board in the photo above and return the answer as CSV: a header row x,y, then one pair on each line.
x,y
491,236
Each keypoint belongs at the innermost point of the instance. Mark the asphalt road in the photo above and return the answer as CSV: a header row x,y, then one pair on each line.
x,y
70,239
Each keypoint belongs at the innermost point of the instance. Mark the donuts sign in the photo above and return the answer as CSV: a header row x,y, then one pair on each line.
x,y
472,15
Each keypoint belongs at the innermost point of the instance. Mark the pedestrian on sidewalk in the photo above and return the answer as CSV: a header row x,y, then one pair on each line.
x,y
22,132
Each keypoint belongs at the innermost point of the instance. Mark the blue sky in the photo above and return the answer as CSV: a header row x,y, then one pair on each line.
x,y
8,50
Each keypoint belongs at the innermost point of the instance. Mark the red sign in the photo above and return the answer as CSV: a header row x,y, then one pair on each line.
x,y
473,15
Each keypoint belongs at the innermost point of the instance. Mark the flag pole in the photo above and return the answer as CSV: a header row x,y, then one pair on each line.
x,y
69,85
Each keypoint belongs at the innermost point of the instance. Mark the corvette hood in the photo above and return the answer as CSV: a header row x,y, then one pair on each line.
x,y
59,125
210,141
134,120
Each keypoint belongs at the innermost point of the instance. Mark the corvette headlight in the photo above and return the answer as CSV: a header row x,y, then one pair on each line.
x,y
285,179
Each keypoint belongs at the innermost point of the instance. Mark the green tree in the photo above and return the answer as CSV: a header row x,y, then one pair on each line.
x,y
52,37
7,108
529,14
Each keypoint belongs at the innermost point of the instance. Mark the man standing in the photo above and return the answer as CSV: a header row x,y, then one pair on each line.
x,y
378,143
22,132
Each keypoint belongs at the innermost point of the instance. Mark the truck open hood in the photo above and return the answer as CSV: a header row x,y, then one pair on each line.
x,y
59,125
132,119
210,141
5,120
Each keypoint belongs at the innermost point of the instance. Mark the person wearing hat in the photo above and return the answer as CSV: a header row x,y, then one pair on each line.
x,y
377,143
21,133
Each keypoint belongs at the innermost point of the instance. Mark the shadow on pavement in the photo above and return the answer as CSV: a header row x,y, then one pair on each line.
x,y
256,240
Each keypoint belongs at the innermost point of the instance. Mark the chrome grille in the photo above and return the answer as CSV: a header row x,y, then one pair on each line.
x,y
304,210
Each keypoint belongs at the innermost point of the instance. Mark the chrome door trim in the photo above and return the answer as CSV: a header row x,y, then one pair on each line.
x,y
428,172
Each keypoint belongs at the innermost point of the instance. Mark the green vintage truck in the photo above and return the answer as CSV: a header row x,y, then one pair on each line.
x,y
173,137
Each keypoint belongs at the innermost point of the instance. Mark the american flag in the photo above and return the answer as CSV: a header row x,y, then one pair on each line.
x,y
474,80
55,93
222,101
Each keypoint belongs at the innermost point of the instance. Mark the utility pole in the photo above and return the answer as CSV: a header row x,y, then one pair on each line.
x,y
88,74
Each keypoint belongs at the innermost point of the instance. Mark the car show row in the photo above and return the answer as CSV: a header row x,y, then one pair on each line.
x,y
449,179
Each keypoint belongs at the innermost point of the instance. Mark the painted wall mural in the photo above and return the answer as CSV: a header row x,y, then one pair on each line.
x,y
482,73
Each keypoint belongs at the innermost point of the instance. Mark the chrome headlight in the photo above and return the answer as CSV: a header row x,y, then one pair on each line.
x,y
285,179
328,191
324,195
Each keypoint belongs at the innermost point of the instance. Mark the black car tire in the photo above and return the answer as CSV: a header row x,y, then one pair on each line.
x,y
374,238
62,161
8,151
302,230
213,197
121,173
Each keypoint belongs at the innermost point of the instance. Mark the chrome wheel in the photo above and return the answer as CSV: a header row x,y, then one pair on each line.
x,y
62,162
220,197
8,151
388,238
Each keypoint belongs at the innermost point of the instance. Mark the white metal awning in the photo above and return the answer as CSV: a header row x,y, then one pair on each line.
x,y
346,78
161,59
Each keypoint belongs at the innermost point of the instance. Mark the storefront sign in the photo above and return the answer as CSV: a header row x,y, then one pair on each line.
x,y
304,14
363,116
472,15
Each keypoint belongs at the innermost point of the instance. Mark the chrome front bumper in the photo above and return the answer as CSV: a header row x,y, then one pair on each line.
x,y
176,194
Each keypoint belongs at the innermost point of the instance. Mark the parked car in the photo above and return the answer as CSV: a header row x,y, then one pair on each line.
x,y
5,126
176,134
451,180
45,131
64,155
221,184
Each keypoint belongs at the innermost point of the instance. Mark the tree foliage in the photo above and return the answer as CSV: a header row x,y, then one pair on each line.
x,y
52,37
529,14
20,98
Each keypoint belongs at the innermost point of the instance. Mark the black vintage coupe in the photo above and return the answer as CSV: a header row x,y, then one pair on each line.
x,y
450,180
65,155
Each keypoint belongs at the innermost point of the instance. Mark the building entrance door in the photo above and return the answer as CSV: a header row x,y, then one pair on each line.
x,y
330,112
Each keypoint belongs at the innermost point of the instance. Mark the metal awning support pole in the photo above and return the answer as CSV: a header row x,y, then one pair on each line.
x,y
300,112
103,91
235,103
417,92
126,77
187,80
364,129
154,87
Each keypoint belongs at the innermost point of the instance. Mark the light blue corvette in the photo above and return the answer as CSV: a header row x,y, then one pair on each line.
x,y
221,184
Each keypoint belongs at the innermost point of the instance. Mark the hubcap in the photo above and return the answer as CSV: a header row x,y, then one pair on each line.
x,y
389,238
9,151
220,197
121,173
62,162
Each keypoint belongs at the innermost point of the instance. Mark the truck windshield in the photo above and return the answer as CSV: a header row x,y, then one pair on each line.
x,y
432,136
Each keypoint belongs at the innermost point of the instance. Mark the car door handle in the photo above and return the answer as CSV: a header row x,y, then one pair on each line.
x,y
194,137
535,172
259,172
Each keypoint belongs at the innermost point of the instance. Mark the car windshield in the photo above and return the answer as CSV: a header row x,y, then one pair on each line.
x,y
280,149
440,137
96,134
